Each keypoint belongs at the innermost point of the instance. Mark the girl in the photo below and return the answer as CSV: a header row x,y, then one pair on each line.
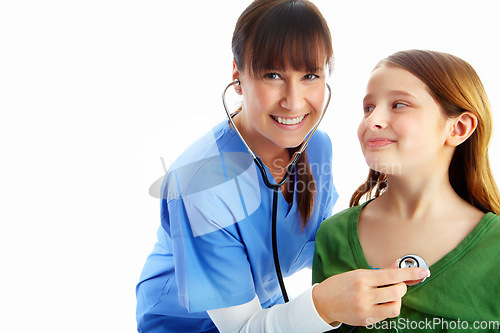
x,y
424,135
212,267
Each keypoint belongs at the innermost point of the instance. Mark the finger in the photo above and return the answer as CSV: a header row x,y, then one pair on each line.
x,y
390,293
388,310
395,264
384,311
385,277
413,282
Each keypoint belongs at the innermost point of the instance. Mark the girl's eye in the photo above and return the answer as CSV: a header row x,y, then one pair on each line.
x,y
369,108
272,76
399,105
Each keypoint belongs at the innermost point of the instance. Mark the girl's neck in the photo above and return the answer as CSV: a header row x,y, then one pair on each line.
x,y
414,198
426,210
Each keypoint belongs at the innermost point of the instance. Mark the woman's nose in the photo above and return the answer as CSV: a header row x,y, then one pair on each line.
x,y
293,99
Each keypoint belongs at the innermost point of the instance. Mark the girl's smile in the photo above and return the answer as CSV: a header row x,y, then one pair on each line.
x,y
375,143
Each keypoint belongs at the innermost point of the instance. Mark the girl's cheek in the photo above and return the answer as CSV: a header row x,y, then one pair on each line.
x,y
361,131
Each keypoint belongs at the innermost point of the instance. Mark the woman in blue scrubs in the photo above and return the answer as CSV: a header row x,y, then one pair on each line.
x,y
212,268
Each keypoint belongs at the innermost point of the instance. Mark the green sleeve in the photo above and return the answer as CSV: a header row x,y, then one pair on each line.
x,y
318,274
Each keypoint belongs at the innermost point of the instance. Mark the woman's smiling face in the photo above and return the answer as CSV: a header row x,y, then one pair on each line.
x,y
403,130
281,106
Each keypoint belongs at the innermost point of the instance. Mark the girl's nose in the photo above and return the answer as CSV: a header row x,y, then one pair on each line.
x,y
377,119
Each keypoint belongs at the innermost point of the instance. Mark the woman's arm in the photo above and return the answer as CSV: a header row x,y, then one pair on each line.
x,y
353,298
298,315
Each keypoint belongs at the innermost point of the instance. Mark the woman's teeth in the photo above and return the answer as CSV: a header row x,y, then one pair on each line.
x,y
288,121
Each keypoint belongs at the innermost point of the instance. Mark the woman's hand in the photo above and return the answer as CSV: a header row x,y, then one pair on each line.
x,y
363,297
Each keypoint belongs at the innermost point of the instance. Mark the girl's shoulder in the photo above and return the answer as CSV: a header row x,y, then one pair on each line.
x,y
339,223
493,221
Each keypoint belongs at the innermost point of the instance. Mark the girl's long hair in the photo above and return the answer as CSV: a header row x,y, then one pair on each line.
x,y
279,34
456,87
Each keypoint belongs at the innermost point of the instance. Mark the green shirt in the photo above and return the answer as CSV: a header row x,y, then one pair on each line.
x,y
462,293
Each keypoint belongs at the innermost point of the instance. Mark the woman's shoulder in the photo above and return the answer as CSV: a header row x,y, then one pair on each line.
x,y
205,146
320,140
321,137
211,161
319,149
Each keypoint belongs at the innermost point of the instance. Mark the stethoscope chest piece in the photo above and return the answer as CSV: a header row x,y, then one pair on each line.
x,y
412,260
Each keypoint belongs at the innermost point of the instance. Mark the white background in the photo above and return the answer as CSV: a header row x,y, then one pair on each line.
x,y
93,93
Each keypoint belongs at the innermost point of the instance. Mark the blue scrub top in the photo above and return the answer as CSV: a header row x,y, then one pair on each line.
x,y
214,243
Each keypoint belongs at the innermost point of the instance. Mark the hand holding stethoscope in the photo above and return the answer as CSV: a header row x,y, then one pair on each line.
x,y
370,298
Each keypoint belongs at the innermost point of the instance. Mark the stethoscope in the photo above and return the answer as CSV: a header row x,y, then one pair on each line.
x,y
275,187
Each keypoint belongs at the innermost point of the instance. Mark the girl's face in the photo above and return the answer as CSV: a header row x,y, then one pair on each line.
x,y
403,130
281,106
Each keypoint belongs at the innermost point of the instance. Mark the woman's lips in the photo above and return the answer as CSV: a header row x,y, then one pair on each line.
x,y
289,123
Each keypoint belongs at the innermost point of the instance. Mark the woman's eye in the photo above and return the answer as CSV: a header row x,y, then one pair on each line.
x,y
399,105
272,76
311,76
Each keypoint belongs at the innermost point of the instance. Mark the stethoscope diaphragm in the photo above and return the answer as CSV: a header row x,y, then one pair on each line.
x,y
412,260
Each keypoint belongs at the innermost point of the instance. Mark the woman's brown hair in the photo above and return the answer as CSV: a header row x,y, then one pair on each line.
x,y
456,87
279,34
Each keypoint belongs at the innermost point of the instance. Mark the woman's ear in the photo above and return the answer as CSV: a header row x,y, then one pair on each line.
x,y
462,128
236,75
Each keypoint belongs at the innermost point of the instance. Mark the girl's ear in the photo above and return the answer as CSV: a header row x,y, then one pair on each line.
x,y
463,127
